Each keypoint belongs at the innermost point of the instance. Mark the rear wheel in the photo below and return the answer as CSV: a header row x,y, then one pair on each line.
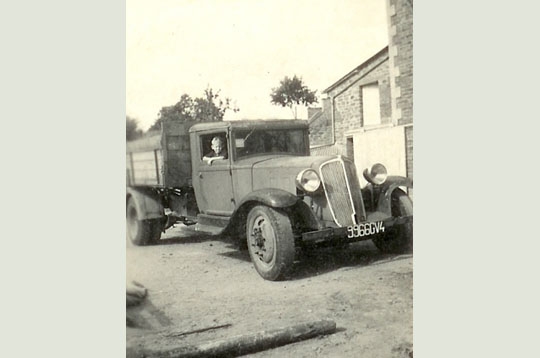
x,y
398,239
141,232
270,242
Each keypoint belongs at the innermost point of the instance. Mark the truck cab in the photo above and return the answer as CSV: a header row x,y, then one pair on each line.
x,y
221,184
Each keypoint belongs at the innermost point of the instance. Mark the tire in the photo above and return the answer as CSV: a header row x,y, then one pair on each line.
x,y
398,239
141,232
270,242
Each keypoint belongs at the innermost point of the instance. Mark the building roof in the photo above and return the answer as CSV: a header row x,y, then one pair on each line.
x,y
378,55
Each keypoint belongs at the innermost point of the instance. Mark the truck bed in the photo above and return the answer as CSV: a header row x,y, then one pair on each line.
x,y
162,159
144,161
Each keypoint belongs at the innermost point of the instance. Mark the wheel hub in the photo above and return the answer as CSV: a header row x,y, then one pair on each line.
x,y
261,240
257,236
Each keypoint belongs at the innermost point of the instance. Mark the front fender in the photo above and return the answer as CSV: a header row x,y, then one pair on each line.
x,y
275,198
386,189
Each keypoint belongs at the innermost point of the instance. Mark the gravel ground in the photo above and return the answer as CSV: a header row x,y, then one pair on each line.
x,y
197,282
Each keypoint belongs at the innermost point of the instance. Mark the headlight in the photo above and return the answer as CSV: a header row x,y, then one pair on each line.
x,y
377,175
308,181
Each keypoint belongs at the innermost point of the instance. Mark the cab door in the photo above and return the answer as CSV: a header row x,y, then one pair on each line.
x,y
212,181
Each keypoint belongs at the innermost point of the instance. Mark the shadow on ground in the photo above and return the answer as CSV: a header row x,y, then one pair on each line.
x,y
315,262
309,262
182,234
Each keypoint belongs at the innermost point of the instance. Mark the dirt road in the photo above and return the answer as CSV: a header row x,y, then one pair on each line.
x,y
203,282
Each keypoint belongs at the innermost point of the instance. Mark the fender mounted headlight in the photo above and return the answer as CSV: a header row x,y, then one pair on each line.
x,y
308,180
376,175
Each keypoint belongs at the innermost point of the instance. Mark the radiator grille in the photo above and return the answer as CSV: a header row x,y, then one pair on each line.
x,y
356,194
342,191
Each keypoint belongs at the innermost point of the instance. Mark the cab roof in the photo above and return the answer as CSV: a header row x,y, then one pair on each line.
x,y
253,123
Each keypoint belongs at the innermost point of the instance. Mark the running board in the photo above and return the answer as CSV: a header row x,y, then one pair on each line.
x,y
211,223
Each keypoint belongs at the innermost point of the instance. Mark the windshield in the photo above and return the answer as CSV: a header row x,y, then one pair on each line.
x,y
261,141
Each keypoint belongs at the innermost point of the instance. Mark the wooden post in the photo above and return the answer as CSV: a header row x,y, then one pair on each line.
x,y
244,344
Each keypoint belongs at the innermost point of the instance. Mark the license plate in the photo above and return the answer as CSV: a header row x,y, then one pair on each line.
x,y
365,229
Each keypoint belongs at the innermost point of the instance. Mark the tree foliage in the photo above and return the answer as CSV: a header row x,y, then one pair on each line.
x,y
292,92
132,129
207,108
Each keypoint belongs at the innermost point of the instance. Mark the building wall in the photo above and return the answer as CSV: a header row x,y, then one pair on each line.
x,y
348,104
320,125
400,20
409,150
392,69
385,146
400,23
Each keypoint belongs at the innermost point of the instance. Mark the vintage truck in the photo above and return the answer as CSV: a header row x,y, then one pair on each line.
x,y
266,191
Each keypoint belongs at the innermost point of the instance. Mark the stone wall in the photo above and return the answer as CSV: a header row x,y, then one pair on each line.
x,y
348,103
400,22
400,31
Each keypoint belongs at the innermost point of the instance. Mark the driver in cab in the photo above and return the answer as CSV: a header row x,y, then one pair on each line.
x,y
219,151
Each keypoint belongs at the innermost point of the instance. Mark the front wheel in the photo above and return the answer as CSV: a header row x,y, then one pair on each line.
x,y
270,242
399,239
141,232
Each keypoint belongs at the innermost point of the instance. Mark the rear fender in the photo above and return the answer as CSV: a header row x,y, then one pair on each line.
x,y
385,192
147,202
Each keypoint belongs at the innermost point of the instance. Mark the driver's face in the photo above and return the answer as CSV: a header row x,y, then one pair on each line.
x,y
217,147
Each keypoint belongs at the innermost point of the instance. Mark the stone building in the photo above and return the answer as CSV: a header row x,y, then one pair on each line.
x,y
367,115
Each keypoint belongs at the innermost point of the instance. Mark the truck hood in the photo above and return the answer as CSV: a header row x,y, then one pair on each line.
x,y
281,171
288,162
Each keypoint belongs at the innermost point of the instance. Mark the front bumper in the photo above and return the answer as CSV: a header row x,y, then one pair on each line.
x,y
340,235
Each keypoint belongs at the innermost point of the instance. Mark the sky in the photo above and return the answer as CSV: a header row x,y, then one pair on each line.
x,y
243,48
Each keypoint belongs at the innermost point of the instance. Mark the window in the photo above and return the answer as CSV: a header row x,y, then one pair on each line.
x,y
212,142
269,141
371,106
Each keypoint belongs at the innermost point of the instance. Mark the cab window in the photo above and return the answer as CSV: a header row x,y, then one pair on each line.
x,y
269,141
213,146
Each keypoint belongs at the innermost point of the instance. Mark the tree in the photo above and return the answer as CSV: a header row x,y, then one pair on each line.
x,y
291,93
181,111
132,129
209,107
